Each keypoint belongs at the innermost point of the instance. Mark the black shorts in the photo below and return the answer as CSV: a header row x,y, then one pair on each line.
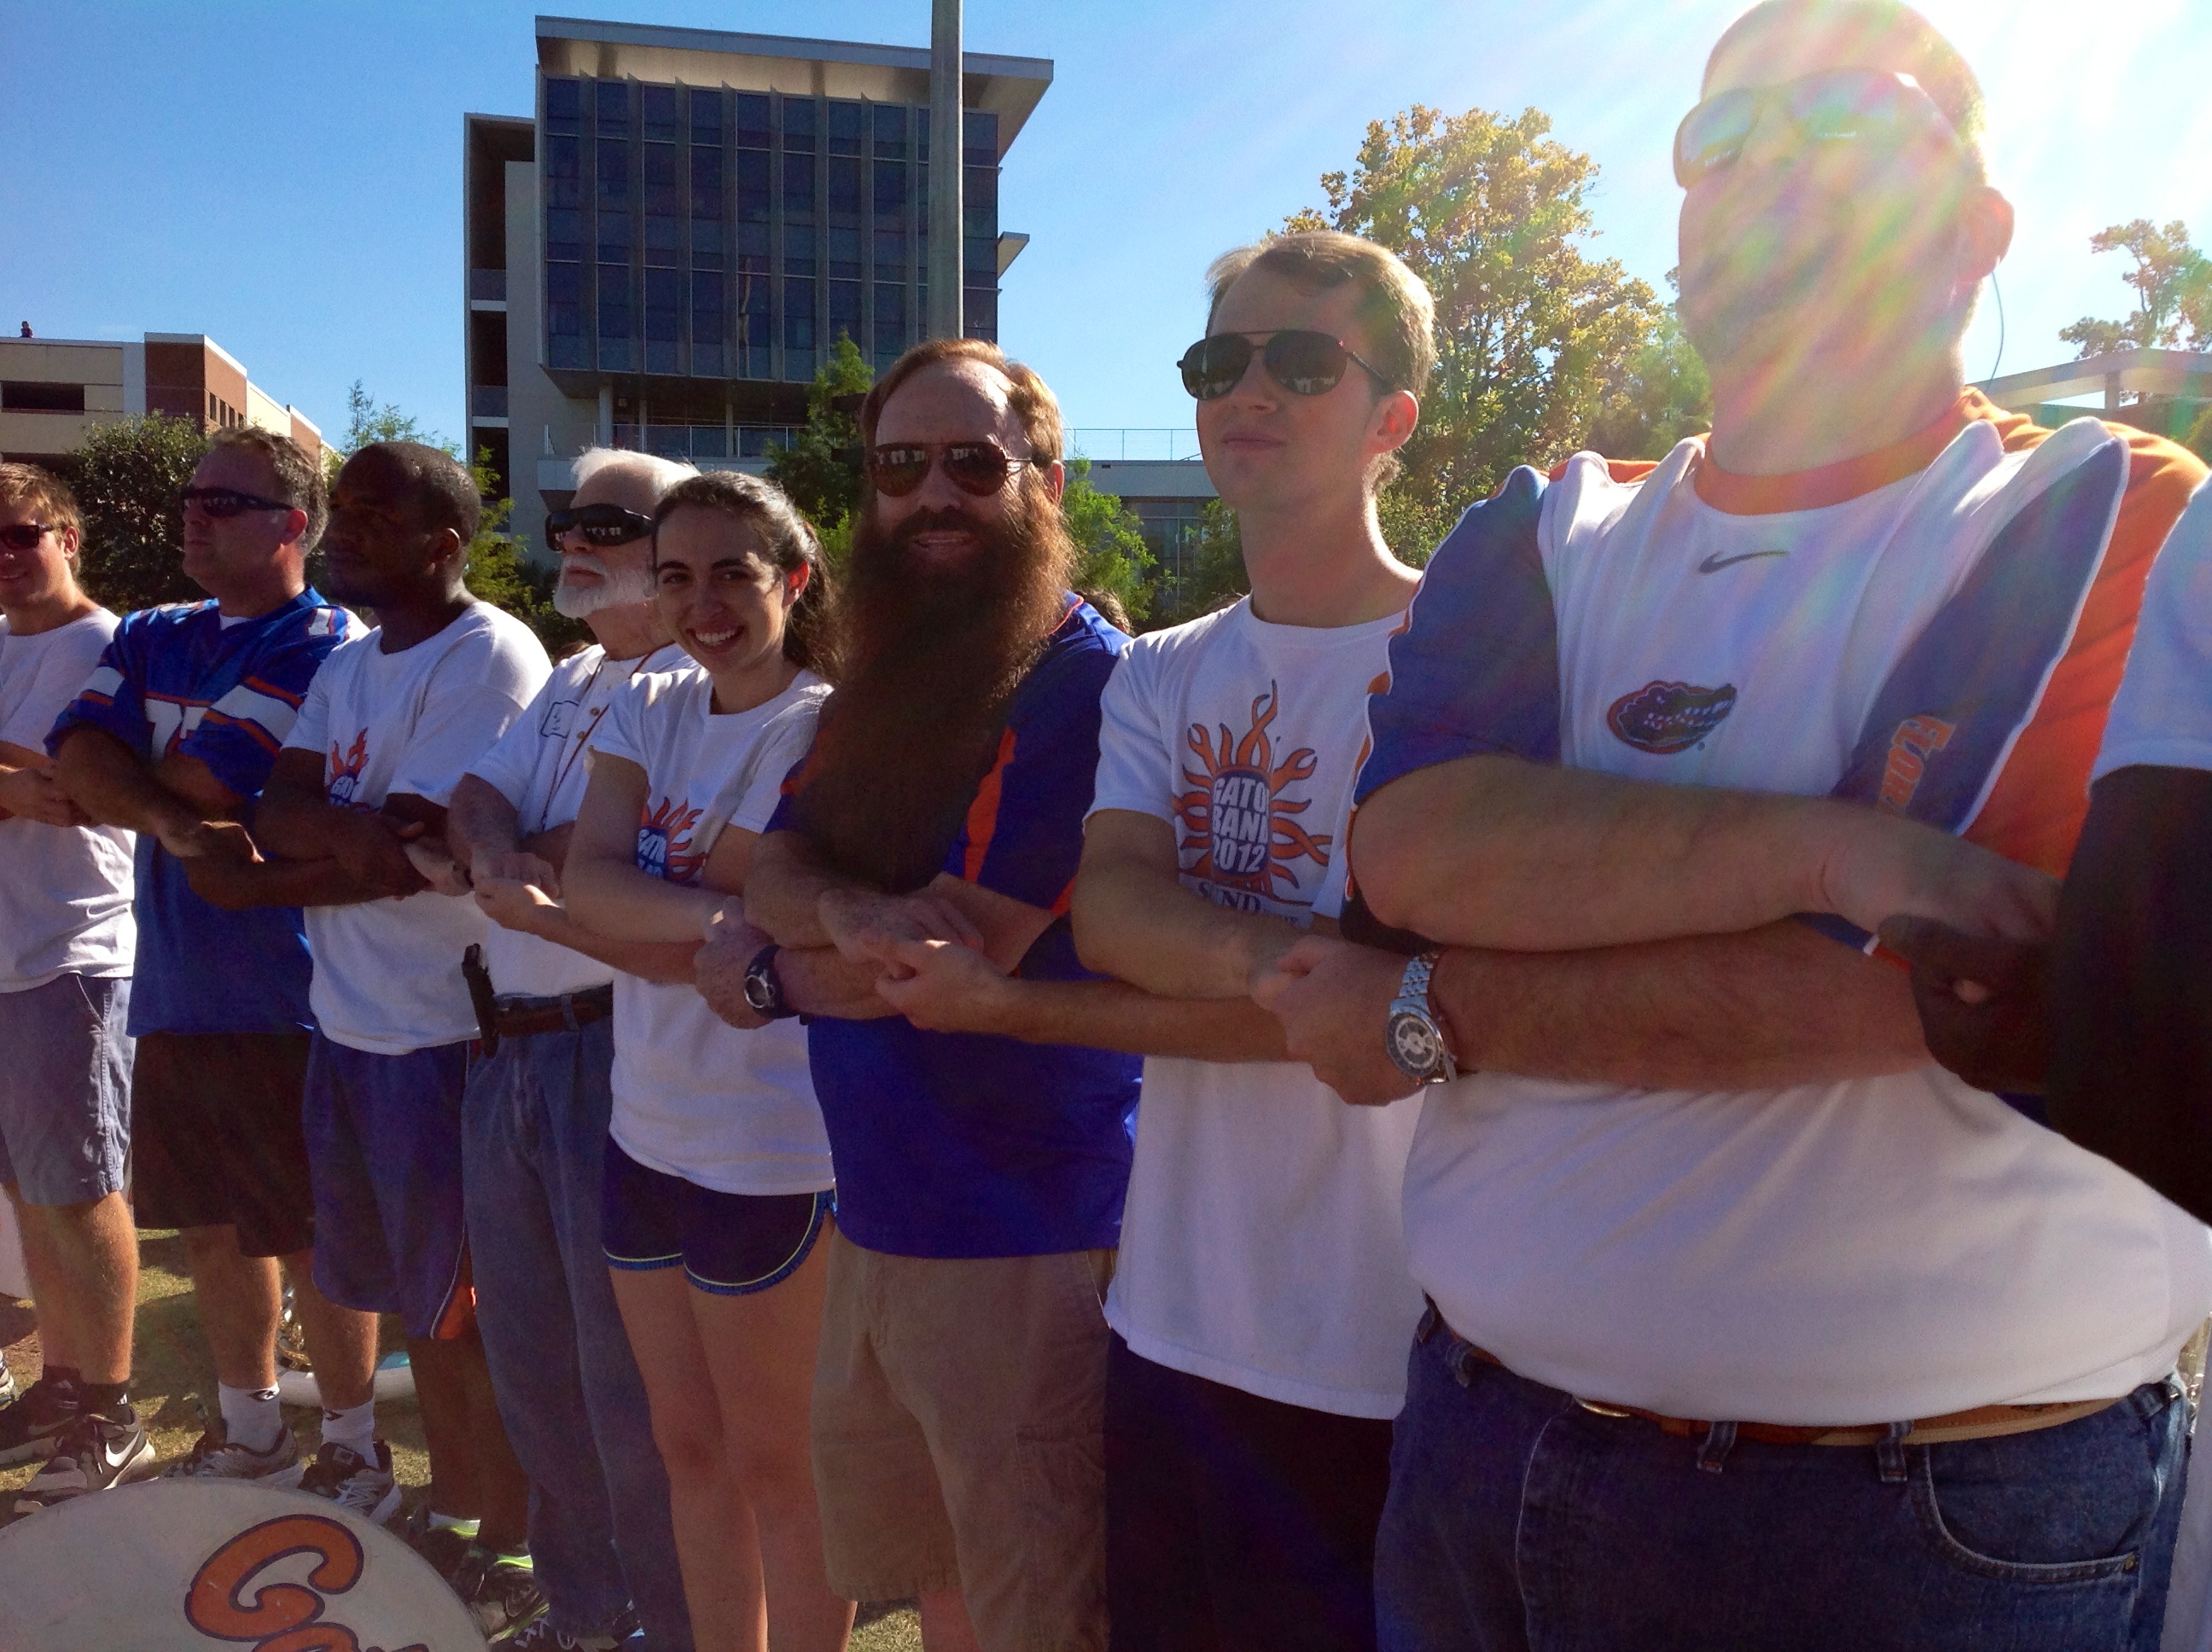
x,y
215,1138
728,1244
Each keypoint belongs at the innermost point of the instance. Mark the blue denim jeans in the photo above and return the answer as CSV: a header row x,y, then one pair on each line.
x,y
534,1127
1517,1520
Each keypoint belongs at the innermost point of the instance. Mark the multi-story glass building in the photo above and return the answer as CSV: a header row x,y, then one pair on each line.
x,y
665,253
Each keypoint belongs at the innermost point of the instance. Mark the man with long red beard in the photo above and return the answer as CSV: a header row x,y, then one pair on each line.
x,y
913,893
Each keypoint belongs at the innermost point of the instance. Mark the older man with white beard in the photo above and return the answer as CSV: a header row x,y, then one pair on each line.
x,y
535,1117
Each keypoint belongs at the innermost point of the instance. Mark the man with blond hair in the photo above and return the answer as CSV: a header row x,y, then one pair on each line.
x,y
1751,1324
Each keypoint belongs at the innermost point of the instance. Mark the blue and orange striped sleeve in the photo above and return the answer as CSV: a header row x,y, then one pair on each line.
x,y
241,734
110,699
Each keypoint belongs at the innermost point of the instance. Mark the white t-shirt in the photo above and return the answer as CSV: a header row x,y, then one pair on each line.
x,y
388,973
540,765
64,890
1870,1251
2162,715
694,1097
1261,1245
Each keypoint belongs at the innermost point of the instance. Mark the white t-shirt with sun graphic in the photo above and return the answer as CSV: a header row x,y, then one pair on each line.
x,y
1261,1245
694,1097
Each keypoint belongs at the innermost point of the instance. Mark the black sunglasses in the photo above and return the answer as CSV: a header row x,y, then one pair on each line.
x,y
600,524
24,536
1304,363
980,468
223,504
1872,107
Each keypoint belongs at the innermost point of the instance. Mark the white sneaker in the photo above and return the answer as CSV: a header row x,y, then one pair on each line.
x,y
93,1453
215,1457
353,1481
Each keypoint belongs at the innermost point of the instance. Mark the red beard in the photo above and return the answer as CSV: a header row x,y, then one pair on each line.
x,y
932,658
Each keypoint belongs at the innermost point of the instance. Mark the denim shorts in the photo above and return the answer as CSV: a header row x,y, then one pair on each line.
x,y
727,1244
65,1089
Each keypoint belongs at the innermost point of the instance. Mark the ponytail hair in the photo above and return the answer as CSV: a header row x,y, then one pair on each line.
x,y
788,544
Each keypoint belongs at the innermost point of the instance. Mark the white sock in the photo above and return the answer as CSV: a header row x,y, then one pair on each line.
x,y
354,1428
250,1416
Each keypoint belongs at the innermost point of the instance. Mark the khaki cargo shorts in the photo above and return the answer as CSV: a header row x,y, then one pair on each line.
x,y
959,1409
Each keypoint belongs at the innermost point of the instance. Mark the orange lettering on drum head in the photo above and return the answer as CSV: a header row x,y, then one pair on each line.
x,y
213,1606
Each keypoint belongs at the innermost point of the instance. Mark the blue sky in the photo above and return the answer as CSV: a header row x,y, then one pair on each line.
x,y
286,178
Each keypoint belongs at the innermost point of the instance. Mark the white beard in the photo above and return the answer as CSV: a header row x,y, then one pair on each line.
x,y
620,588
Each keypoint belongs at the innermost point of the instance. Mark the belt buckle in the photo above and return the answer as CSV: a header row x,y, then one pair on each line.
x,y
1595,1408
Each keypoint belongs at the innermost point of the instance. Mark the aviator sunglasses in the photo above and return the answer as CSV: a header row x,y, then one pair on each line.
x,y
24,536
223,504
980,468
1304,363
1875,108
600,524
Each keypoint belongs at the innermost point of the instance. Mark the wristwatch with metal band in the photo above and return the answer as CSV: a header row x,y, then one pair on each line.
x,y
1415,1035
762,990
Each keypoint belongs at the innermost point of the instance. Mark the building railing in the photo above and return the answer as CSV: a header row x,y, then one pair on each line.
x,y
1133,441
705,442
488,284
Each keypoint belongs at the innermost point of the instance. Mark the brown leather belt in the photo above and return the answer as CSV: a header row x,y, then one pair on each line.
x,y
1981,1423
519,1018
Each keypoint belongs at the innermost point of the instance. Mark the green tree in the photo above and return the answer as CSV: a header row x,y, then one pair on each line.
x,y
2173,293
1663,397
2199,439
126,476
1535,338
366,420
502,574
820,470
1213,575
1111,555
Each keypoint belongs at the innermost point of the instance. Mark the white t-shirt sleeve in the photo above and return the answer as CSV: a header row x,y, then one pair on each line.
x,y
1136,763
2162,715
621,732
311,729
61,661
512,762
784,744
474,693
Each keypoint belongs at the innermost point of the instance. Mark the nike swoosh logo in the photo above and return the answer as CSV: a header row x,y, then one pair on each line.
x,y
1714,564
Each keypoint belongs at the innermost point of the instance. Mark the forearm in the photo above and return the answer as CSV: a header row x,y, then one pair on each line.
x,y
236,885
1775,1006
667,962
479,821
1112,1015
1497,853
623,903
821,981
109,783
784,889
1141,926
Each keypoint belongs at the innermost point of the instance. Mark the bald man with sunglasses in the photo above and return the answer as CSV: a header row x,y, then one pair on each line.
x,y
1750,1325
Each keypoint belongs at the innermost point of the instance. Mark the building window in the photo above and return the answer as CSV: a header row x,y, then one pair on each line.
x,y
753,326
844,254
890,190
705,182
706,117
663,320
657,106
564,315
844,185
617,319
610,104
799,125
36,395
847,127
564,220
979,139
799,249
891,131
564,106
753,248
844,312
752,112
662,191
979,313
797,330
752,186
890,254
799,184
707,293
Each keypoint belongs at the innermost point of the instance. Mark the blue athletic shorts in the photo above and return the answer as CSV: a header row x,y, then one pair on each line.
x,y
729,1244
65,1089
384,1153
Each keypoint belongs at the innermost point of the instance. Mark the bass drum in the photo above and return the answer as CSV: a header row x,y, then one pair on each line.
x,y
216,1565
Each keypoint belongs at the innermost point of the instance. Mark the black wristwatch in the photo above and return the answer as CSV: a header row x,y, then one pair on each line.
x,y
764,991
1415,1035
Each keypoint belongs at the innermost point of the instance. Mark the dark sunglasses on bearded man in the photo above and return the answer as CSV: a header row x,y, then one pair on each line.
x,y
980,468
600,524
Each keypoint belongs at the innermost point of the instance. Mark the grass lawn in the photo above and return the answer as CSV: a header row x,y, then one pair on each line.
x,y
174,1379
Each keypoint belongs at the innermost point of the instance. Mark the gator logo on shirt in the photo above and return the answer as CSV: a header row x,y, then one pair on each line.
x,y
345,771
1235,819
1915,741
1665,717
664,841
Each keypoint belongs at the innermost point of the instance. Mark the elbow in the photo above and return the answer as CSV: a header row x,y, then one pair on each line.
x,y
1091,920
1385,862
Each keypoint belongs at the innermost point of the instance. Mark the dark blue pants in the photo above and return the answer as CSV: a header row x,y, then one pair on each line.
x,y
533,1129
1234,1522
1518,1522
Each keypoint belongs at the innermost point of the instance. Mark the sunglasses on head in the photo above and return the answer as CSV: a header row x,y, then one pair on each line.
x,y
980,468
24,536
1875,108
600,524
222,503
1304,363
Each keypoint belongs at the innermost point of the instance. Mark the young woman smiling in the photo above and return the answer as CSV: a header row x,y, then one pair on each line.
x,y
718,1181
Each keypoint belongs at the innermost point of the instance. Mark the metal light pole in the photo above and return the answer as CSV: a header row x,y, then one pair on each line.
x,y
946,137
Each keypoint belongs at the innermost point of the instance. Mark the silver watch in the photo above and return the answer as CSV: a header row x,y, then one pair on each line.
x,y
1414,1036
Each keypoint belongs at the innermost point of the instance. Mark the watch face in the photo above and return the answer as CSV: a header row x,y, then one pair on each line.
x,y
1414,1045
758,994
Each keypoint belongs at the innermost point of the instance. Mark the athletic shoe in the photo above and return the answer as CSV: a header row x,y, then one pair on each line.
x,y
542,1637
7,1384
352,1481
501,1591
93,1453
32,1420
214,1457
444,1546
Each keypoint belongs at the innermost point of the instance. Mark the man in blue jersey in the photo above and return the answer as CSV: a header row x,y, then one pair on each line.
x,y
173,738
957,1406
